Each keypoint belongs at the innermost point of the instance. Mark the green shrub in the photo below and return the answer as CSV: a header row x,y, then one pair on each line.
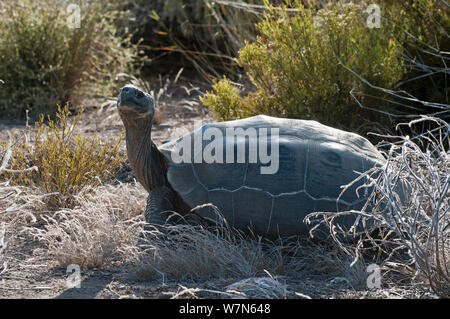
x,y
297,63
227,103
45,61
66,160
423,28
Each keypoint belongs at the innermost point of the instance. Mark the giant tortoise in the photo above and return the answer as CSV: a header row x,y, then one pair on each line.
x,y
264,174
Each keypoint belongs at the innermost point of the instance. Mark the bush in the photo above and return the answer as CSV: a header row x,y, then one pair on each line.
x,y
297,62
226,102
46,62
66,161
202,34
423,33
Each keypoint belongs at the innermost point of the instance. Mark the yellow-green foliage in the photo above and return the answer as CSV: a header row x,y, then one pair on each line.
x,y
47,60
423,28
226,102
297,67
66,161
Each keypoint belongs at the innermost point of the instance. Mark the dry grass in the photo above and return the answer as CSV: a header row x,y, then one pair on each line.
x,y
259,287
266,287
3,245
107,230
62,160
17,203
409,206
98,233
189,251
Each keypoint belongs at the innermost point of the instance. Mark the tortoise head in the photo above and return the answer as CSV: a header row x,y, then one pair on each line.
x,y
135,104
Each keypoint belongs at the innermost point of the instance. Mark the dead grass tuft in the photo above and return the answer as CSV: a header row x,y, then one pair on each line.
x,y
266,287
189,251
100,232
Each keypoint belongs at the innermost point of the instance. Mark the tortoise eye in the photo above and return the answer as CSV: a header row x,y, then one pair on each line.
x,y
139,94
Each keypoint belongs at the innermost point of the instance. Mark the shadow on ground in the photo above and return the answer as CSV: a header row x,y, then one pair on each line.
x,y
89,288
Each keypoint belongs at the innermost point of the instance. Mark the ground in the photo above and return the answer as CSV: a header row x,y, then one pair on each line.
x,y
30,271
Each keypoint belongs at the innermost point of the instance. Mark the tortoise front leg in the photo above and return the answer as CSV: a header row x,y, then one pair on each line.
x,y
159,205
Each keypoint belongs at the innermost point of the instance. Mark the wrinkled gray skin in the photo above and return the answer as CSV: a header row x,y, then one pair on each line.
x,y
136,110
314,162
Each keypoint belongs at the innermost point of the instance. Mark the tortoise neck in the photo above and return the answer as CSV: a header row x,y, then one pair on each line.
x,y
143,155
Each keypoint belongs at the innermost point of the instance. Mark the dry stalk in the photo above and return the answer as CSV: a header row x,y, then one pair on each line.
x,y
408,207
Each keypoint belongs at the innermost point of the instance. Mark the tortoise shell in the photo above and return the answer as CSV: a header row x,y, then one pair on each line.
x,y
309,162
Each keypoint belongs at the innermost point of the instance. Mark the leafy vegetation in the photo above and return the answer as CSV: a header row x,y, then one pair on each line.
x,y
47,59
333,66
66,160
296,65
